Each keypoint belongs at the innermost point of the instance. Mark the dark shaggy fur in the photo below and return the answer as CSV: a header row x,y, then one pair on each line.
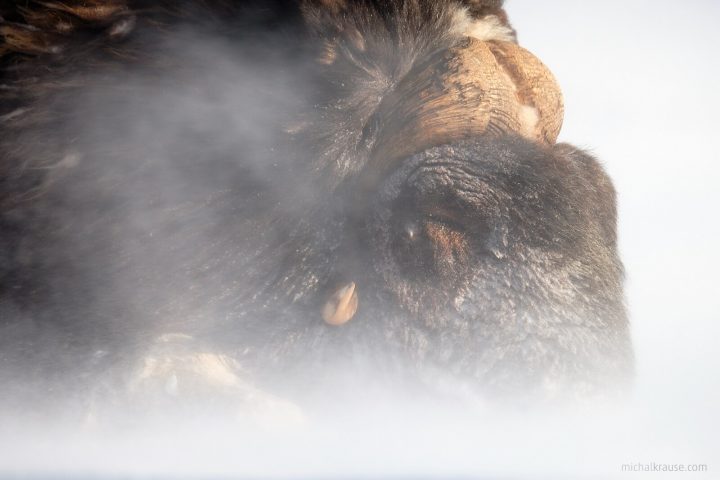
x,y
194,169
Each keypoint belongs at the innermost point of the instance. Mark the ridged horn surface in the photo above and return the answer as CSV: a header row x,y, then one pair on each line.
x,y
475,88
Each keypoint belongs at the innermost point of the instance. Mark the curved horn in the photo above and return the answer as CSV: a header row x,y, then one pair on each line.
x,y
477,87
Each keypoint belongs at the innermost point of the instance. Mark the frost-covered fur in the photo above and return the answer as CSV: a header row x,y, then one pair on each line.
x,y
486,28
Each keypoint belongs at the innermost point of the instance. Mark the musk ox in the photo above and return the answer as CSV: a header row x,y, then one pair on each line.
x,y
242,200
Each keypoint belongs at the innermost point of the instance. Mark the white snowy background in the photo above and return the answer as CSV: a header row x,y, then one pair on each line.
x,y
640,80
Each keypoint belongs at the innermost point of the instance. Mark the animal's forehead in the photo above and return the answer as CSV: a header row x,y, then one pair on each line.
x,y
440,173
473,167
424,184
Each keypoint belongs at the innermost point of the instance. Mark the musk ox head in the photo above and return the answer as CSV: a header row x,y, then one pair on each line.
x,y
364,192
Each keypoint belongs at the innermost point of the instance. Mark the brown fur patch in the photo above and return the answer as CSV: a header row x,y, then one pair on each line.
x,y
451,246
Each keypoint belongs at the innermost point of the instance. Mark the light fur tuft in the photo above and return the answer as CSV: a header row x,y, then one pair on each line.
x,y
487,28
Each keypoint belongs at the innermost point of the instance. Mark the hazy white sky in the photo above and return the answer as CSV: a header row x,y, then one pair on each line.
x,y
640,80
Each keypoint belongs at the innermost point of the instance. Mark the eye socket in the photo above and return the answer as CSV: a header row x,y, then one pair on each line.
x,y
430,245
412,247
440,233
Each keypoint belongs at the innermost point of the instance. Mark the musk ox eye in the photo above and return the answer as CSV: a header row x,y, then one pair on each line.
x,y
430,245
412,247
